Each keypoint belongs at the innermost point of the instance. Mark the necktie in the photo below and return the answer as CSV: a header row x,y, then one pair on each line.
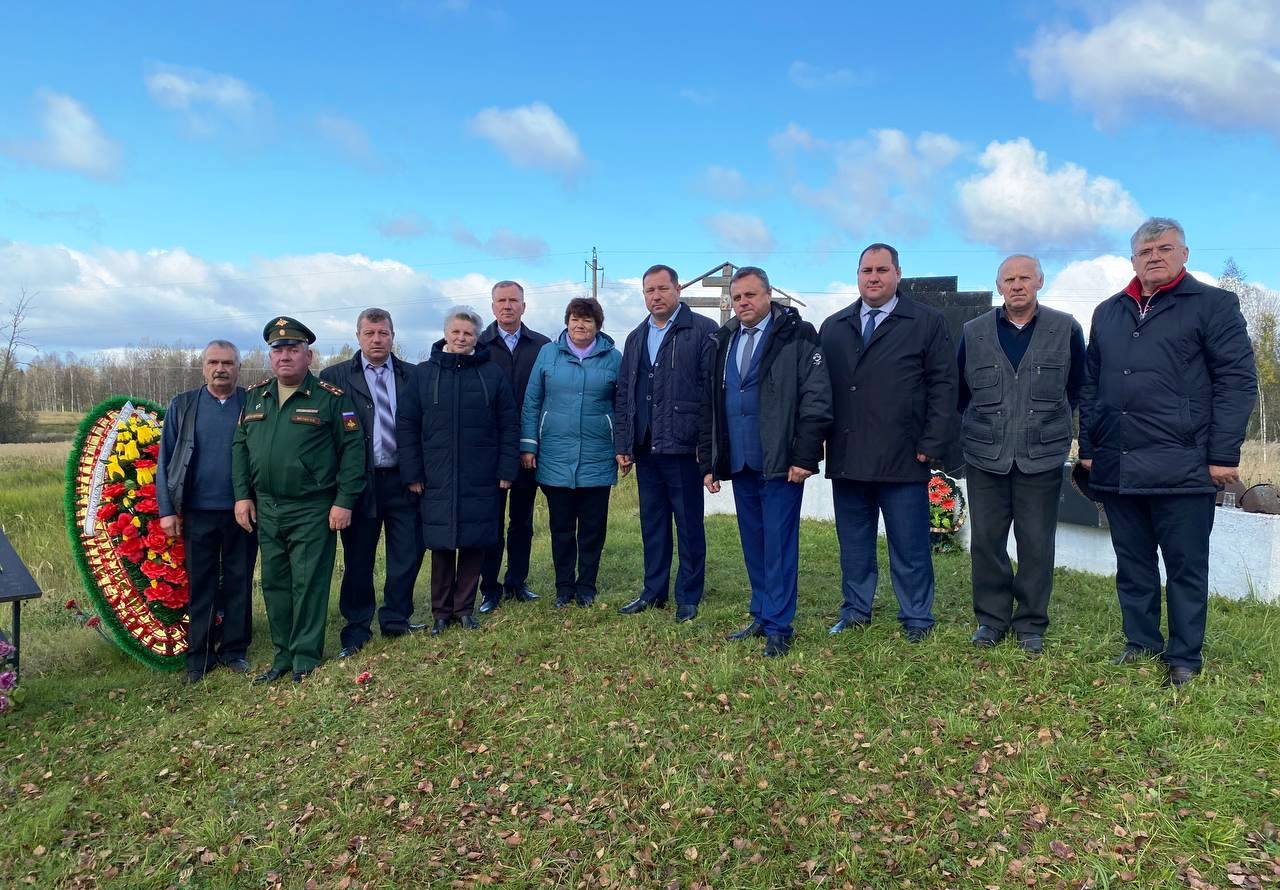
x,y
511,340
744,361
870,327
384,427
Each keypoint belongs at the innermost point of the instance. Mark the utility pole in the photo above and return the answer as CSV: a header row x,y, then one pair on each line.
x,y
597,273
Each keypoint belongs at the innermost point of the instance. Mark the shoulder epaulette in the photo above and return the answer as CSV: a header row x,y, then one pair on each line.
x,y
263,382
326,385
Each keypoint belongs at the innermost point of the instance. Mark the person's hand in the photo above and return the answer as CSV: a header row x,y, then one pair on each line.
x,y
798,474
246,514
529,461
624,463
339,518
710,482
1222,476
417,487
922,458
171,525
1087,463
504,483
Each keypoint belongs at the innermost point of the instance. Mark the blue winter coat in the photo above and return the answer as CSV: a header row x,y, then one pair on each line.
x,y
567,419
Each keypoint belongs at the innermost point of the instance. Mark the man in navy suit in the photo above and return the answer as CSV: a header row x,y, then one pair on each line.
x,y
374,378
765,410
893,375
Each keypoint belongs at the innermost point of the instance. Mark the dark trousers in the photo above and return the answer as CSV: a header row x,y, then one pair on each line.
x,y
398,513
905,506
515,511
579,520
670,486
455,575
1028,502
769,526
1179,525
298,548
220,557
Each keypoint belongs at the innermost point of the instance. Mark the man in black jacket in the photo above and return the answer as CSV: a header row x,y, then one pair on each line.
x,y
195,500
514,348
766,408
375,380
1170,383
656,417
893,379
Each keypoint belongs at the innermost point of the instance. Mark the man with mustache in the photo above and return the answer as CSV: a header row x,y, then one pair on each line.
x,y
193,490
1170,383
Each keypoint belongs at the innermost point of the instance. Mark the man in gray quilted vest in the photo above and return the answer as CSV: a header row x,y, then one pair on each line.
x,y
1021,369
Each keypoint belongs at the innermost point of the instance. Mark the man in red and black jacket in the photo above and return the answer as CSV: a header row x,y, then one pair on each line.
x,y
1170,384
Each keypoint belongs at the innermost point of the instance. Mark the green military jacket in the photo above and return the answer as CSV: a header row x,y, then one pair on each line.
x,y
308,447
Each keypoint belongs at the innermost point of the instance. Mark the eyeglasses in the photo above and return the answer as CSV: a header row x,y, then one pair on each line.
x,y
1165,250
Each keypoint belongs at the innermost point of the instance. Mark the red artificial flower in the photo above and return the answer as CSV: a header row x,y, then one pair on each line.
x,y
154,570
147,491
148,505
71,604
175,575
113,491
156,541
949,504
144,464
153,526
178,550
935,497
93,621
133,549
363,677
107,512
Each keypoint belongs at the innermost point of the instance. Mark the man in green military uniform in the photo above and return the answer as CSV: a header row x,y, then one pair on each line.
x,y
297,466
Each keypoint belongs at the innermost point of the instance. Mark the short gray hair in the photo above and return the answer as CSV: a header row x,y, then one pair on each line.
x,y
375,315
1019,256
219,344
1153,228
466,313
506,283
746,271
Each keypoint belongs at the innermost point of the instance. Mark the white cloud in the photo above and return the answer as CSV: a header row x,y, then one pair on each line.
x,y
71,139
531,136
1212,61
502,243
741,231
205,99
406,225
348,137
1081,285
794,138
810,77
885,181
723,183
1020,204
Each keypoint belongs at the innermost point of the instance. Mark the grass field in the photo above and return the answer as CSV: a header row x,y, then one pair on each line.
x,y
581,748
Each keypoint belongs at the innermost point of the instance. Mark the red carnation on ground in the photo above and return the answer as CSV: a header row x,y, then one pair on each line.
x,y
71,604
93,621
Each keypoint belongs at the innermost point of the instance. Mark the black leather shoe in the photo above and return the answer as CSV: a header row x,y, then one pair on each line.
x,y
754,629
635,607
776,645
269,676
1180,676
917,634
1131,654
439,627
1032,644
986,636
470,622
846,623
348,651
686,613
585,600
299,676
237,666
521,594
563,599
191,678
490,602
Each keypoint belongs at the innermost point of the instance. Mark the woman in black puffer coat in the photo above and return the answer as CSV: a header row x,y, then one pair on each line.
x,y
457,431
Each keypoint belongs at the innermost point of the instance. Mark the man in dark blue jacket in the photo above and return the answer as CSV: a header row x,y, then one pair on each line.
x,y
766,408
1170,384
196,501
656,416
376,380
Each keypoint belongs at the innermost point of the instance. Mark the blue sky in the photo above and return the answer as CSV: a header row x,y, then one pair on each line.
x,y
212,167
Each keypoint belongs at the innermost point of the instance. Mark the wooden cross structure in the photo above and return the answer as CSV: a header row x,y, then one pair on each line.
x,y
720,276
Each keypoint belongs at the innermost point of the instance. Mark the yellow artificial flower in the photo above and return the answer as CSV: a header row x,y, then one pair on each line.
x,y
146,475
137,523
131,451
113,468
124,436
147,434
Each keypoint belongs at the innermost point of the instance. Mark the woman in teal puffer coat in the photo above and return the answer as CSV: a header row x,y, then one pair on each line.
x,y
566,434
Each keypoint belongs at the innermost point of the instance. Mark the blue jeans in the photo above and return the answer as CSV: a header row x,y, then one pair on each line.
x,y
905,506
769,525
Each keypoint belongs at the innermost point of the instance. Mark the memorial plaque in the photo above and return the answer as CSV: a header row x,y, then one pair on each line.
x,y
16,582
